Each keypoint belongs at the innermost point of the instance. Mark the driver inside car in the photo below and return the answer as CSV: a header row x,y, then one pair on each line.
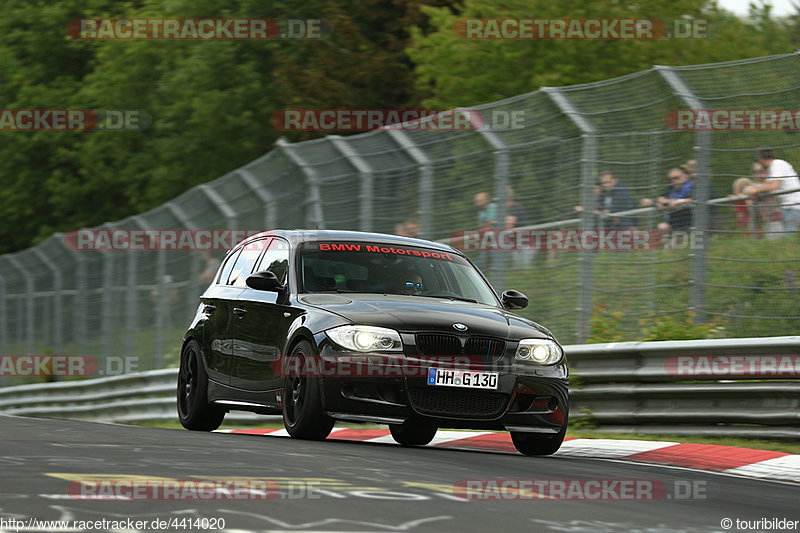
x,y
413,284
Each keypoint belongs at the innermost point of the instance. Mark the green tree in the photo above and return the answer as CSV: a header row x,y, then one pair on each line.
x,y
452,71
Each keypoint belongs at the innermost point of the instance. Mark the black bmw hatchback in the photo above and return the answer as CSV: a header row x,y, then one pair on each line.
x,y
322,326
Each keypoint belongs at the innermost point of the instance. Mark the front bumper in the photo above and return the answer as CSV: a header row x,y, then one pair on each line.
x,y
394,389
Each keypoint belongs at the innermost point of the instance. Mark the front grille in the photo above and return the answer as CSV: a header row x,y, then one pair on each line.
x,y
486,348
434,344
463,404
430,344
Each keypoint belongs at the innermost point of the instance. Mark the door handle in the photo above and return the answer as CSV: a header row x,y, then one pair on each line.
x,y
208,309
239,312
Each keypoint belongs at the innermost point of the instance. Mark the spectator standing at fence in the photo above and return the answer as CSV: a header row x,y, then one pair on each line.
x,y
412,228
515,218
768,206
676,201
515,213
782,177
487,211
742,208
614,197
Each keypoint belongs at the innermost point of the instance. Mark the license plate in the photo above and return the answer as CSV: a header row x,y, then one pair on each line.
x,y
442,377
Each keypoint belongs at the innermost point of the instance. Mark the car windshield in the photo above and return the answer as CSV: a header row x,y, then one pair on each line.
x,y
377,268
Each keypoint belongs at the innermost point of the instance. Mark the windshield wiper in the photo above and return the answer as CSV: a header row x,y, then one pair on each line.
x,y
448,297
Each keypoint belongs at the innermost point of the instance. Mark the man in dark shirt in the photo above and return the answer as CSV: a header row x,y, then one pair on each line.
x,y
613,198
677,200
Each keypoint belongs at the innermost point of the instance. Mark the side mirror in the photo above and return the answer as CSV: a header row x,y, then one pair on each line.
x,y
264,281
514,299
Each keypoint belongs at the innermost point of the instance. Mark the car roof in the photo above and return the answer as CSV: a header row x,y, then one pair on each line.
x,y
299,236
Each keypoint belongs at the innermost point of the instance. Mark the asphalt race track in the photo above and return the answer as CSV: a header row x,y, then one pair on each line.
x,y
352,486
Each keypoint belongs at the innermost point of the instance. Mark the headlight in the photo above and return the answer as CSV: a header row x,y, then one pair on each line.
x,y
542,351
366,338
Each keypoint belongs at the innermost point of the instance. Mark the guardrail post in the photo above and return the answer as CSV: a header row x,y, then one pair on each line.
x,y
702,194
588,174
29,291
270,215
315,217
58,338
425,205
365,196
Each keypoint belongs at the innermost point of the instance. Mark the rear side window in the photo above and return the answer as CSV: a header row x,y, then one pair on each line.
x,y
225,271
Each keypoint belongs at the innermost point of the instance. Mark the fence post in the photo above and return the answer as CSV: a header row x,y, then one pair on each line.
x,y
588,173
702,192
108,299
316,217
270,216
194,272
58,338
425,206
81,305
500,258
366,194
29,290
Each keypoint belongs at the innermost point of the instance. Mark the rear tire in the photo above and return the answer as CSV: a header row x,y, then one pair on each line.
x,y
302,403
538,444
412,434
194,411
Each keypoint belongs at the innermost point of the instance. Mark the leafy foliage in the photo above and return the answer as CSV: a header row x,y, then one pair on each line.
x,y
211,101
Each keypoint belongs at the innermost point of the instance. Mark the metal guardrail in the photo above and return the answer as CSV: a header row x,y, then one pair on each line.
x,y
136,397
698,387
628,387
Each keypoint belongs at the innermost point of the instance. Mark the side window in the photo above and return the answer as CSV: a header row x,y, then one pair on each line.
x,y
226,268
276,259
245,263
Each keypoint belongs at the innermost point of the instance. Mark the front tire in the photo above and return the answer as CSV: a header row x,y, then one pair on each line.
x,y
302,403
412,434
194,411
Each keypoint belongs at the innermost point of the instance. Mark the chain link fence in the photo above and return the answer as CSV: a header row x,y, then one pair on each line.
x,y
57,300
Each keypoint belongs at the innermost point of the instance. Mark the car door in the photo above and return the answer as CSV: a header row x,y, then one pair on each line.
x,y
216,307
262,329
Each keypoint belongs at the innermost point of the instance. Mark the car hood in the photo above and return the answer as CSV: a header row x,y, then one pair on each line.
x,y
416,313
